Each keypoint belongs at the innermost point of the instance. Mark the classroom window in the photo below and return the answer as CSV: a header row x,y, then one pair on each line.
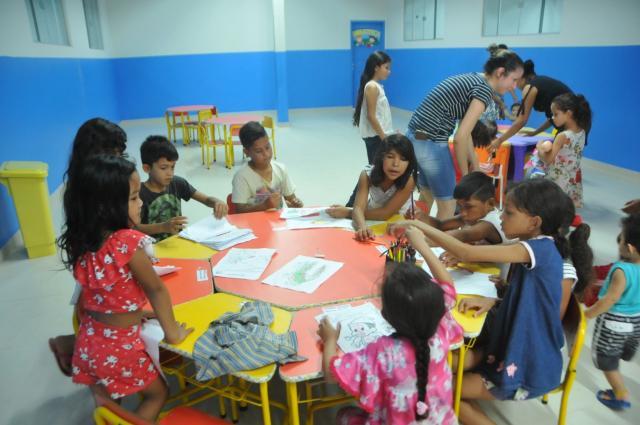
x,y
92,18
517,17
423,19
47,21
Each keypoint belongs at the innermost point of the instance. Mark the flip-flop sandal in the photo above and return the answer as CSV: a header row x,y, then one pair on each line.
x,y
612,402
66,371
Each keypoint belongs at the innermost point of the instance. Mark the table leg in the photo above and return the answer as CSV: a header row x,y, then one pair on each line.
x,y
458,389
166,116
264,399
292,401
518,162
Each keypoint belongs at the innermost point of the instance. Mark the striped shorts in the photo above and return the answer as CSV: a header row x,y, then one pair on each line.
x,y
615,337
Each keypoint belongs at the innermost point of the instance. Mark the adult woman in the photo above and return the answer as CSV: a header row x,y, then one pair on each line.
x,y
460,98
537,93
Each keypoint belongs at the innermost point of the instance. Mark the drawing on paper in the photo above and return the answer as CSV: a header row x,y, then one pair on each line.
x,y
303,274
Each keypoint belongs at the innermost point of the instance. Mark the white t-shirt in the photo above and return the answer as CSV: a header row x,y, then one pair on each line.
x,y
250,188
378,197
383,113
493,218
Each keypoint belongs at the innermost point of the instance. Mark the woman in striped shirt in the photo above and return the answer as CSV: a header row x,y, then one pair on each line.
x,y
461,98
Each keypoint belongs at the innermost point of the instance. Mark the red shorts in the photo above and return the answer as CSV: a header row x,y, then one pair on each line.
x,y
112,357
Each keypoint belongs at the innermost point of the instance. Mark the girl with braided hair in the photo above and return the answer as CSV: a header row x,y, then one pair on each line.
x,y
403,378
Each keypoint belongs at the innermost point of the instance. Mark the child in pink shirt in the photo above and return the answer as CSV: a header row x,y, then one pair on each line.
x,y
403,378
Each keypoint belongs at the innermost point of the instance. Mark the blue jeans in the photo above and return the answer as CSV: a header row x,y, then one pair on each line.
x,y
435,167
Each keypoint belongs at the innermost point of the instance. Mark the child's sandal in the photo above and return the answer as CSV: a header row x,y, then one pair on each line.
x,y
612,402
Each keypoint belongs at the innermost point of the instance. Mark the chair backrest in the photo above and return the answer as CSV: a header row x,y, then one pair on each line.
x,y
109,412
502,158
205,114
575,326
230,205
234,130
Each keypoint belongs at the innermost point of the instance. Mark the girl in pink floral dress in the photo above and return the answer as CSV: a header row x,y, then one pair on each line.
x,y
572,112
403,378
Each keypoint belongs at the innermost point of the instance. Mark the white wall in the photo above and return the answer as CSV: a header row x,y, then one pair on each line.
x,y
16,37
170,27
325,24
584,23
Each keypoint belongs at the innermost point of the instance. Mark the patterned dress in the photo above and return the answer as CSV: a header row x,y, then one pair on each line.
x,y
382,376
112,357
565,170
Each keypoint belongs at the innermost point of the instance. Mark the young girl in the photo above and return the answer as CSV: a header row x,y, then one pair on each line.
x,y
385,188
372,113
571,112
523,358
95,136
403,378
109,262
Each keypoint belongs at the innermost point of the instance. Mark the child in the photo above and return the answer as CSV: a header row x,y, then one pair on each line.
x,y
162,192
109,261
403,378
384,189
523,359
372,113
535,166
616,334
261,184
478,218
95,136
571,112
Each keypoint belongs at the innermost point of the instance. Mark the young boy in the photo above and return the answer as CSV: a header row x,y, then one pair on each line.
x,y
261,184
478,219
162,192
616,334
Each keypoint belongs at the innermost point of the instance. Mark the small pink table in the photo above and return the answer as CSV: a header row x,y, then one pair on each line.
x,y
226,122
182,112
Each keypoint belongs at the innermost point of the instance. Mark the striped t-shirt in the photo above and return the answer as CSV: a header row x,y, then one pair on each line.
x,y
447,103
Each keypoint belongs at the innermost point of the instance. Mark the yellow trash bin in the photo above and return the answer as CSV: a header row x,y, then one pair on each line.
x,y
27,184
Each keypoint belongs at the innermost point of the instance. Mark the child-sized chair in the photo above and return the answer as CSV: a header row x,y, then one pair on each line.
x,y
108,412
496,167
233,140
575,325
267,123
209,138
231,208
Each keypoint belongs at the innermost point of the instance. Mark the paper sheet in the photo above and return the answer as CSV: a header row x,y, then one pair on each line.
x,y
322,220
288,213
244,263
218,234
359,325
303,274
470,283
163,270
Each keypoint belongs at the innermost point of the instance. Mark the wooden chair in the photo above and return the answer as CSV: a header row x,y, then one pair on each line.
x,y
574,325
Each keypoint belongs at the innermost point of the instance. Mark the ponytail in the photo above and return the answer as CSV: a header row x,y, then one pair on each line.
x,y
529,69
581,256
375,59
579,107
423,355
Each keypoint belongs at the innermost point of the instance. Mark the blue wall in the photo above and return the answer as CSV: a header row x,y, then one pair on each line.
x,y
605,75
44,101
42,104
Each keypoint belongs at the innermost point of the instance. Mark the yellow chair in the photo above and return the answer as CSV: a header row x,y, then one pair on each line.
x,y
575,325
233,140
108,412
267,123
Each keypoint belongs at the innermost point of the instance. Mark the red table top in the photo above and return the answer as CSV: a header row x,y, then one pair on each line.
x,y
183,284
189,108
357,278
309,344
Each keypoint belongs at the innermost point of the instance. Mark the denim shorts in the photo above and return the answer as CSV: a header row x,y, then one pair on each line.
x,y
435,167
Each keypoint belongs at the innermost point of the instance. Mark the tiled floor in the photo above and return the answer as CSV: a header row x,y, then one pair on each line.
x,y
323,154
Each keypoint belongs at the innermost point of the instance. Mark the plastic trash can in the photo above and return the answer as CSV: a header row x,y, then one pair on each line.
x,y
27,184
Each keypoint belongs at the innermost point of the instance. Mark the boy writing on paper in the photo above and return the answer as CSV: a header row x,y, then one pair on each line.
x,y
162,192
262,183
